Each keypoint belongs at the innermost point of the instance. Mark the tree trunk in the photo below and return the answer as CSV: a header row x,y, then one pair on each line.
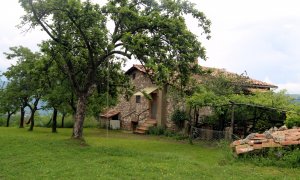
x,y
22,118
232,122
54,120
31,121
79,116
8,118
63,120
33,110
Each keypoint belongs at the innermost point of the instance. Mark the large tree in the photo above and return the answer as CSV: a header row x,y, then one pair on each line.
x,y
82,43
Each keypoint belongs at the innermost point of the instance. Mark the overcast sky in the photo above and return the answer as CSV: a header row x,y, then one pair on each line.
x,y
261,37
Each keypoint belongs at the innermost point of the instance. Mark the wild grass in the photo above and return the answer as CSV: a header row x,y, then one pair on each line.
x,y
43,121
287,157
119,155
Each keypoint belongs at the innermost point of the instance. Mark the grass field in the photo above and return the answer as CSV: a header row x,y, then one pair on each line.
x,y
119,155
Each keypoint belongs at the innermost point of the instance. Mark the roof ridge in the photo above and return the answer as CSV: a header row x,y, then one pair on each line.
x,y
253,82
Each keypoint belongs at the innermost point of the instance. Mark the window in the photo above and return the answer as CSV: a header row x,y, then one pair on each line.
x,y
133,76
138,99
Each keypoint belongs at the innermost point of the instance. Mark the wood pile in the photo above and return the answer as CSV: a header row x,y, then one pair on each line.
x,y
269,139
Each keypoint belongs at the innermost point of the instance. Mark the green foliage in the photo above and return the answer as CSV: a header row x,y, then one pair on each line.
x,y
26,79
160,131
293,120
156,130
89,54
293,117
221,92
206,97
9,103
278,157
179,117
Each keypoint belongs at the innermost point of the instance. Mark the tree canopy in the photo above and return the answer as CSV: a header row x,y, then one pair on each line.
x,y
262,107
82,44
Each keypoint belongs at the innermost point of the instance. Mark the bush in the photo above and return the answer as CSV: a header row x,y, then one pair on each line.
x,y
156,130
159,130
292,121
169,133
178,117
279,157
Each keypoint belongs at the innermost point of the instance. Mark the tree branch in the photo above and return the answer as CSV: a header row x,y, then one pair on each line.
x,y
41,23
104,57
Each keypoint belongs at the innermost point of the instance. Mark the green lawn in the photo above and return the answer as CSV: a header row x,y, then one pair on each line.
x,y
118,155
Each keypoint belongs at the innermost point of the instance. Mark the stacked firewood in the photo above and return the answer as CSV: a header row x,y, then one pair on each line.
x,y
269,139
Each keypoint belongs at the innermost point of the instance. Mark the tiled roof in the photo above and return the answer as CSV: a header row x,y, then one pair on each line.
x,y
217,72
110,113
248,81
136,66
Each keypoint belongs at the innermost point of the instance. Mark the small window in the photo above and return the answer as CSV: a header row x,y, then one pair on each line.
x,y
133,76
138,99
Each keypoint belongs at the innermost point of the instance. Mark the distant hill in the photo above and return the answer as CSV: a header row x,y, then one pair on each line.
x,y
296,97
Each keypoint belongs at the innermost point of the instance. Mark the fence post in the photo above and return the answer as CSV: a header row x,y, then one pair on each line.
x,y
232,121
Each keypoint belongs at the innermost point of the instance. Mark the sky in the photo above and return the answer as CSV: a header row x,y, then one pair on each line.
x,y
259,37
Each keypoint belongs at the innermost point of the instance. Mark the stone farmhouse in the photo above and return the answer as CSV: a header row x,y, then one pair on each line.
x,y
139,112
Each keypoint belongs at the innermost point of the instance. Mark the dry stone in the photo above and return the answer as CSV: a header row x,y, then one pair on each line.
x,y
274,137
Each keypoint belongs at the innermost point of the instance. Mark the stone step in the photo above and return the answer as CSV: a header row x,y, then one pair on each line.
x,y
150,121
143,128
139,131
145,124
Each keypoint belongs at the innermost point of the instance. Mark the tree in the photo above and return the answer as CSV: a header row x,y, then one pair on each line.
x,y
56,88
8,103
151,31
26,80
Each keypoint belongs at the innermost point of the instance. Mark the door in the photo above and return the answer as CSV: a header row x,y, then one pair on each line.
x,y
153,106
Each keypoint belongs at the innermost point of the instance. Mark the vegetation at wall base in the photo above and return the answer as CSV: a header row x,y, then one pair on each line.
x,y
179,117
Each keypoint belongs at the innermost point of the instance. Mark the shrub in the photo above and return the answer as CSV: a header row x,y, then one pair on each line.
x,y
156,130
169,133
292,158
178,117
279,157
292,121
159,130
2,120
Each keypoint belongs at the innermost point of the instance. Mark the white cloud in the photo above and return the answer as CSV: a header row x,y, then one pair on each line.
x,y
259,36
291,87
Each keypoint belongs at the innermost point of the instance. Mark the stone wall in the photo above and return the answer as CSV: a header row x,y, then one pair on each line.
x,y
140,81
129,109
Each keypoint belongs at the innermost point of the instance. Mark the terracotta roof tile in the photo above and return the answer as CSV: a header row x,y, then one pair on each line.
x,y
139,67
216,72
251,82
110,113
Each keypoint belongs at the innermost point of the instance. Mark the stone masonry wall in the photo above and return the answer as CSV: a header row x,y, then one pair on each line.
x,y
140,82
